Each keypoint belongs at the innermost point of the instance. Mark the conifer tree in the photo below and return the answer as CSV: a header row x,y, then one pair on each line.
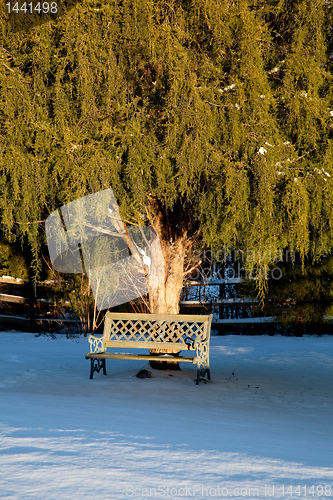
x,y
212,120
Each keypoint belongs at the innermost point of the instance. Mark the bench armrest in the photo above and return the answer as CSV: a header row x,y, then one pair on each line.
x,y
96,344
202,350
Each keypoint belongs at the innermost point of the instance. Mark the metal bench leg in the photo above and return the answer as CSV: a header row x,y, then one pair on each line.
x,y
198,376
201,372
91,368
96,365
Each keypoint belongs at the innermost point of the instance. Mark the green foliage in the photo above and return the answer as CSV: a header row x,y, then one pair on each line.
x,y
299,294
12,262
218,112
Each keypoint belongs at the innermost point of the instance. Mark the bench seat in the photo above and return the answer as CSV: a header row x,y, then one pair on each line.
x,y
148,357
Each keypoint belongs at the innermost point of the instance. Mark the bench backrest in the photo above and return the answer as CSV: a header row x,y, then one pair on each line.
x,y
160,330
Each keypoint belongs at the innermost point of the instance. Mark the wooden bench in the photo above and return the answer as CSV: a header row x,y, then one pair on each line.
x,y
153,331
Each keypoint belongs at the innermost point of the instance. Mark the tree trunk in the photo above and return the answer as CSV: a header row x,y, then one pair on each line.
x,y
165,281
164,291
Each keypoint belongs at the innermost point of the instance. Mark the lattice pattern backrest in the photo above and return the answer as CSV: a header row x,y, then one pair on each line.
x,y
155,330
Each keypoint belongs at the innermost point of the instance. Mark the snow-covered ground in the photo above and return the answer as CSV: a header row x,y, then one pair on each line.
x,y
263,429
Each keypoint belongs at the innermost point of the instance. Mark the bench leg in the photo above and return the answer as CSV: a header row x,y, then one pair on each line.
x,y
96,365
201,372
198,376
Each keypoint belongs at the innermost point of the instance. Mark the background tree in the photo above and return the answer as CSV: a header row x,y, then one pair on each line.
x,y
212,120
302,299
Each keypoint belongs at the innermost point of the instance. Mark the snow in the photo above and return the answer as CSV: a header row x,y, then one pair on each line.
x,y
262,150
265,422
229,87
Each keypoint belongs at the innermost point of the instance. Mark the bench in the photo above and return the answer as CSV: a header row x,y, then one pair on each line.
x,y
171,332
